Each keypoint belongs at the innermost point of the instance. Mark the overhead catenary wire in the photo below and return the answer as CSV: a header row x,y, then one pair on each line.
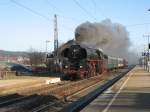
x,y
98,8
47,18
81,7
60,13
36,13
53,6
94,5
69,18
61,16
31,10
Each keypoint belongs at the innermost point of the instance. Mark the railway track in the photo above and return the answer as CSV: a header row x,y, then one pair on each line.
x,y
60,90
85,100
57,106
51,98
21,95
51,106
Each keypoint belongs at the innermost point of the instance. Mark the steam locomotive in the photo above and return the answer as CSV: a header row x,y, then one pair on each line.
x,y
82,62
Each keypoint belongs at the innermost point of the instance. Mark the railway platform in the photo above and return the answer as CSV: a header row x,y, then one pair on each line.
x,y
130,94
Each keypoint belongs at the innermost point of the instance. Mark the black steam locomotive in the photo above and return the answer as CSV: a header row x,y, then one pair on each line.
x,y
82,62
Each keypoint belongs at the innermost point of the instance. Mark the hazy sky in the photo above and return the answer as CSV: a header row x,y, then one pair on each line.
x,y
29,23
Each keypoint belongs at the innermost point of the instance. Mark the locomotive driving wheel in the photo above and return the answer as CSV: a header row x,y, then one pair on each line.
x,y
89,71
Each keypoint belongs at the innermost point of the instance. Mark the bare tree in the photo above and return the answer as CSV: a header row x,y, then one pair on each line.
x,y
36,58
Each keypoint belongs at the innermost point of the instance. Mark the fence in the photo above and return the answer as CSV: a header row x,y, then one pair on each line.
x,y
7,74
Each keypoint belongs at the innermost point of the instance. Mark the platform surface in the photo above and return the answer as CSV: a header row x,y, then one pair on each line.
x,y
130,94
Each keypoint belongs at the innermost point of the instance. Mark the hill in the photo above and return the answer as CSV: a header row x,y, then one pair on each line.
x,y
12,53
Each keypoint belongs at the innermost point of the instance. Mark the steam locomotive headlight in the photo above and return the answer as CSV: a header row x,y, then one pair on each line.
x,y
81,66
66,66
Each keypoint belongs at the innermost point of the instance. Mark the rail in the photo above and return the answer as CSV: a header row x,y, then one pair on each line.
x,y
84,101
62,90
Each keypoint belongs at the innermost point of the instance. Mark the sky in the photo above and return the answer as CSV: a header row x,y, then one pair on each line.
x,y
26,24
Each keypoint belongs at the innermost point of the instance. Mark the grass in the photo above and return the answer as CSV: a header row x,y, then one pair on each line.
x,y
12,75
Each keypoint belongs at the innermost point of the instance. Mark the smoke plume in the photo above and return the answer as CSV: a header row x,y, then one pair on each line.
x,y
112,38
